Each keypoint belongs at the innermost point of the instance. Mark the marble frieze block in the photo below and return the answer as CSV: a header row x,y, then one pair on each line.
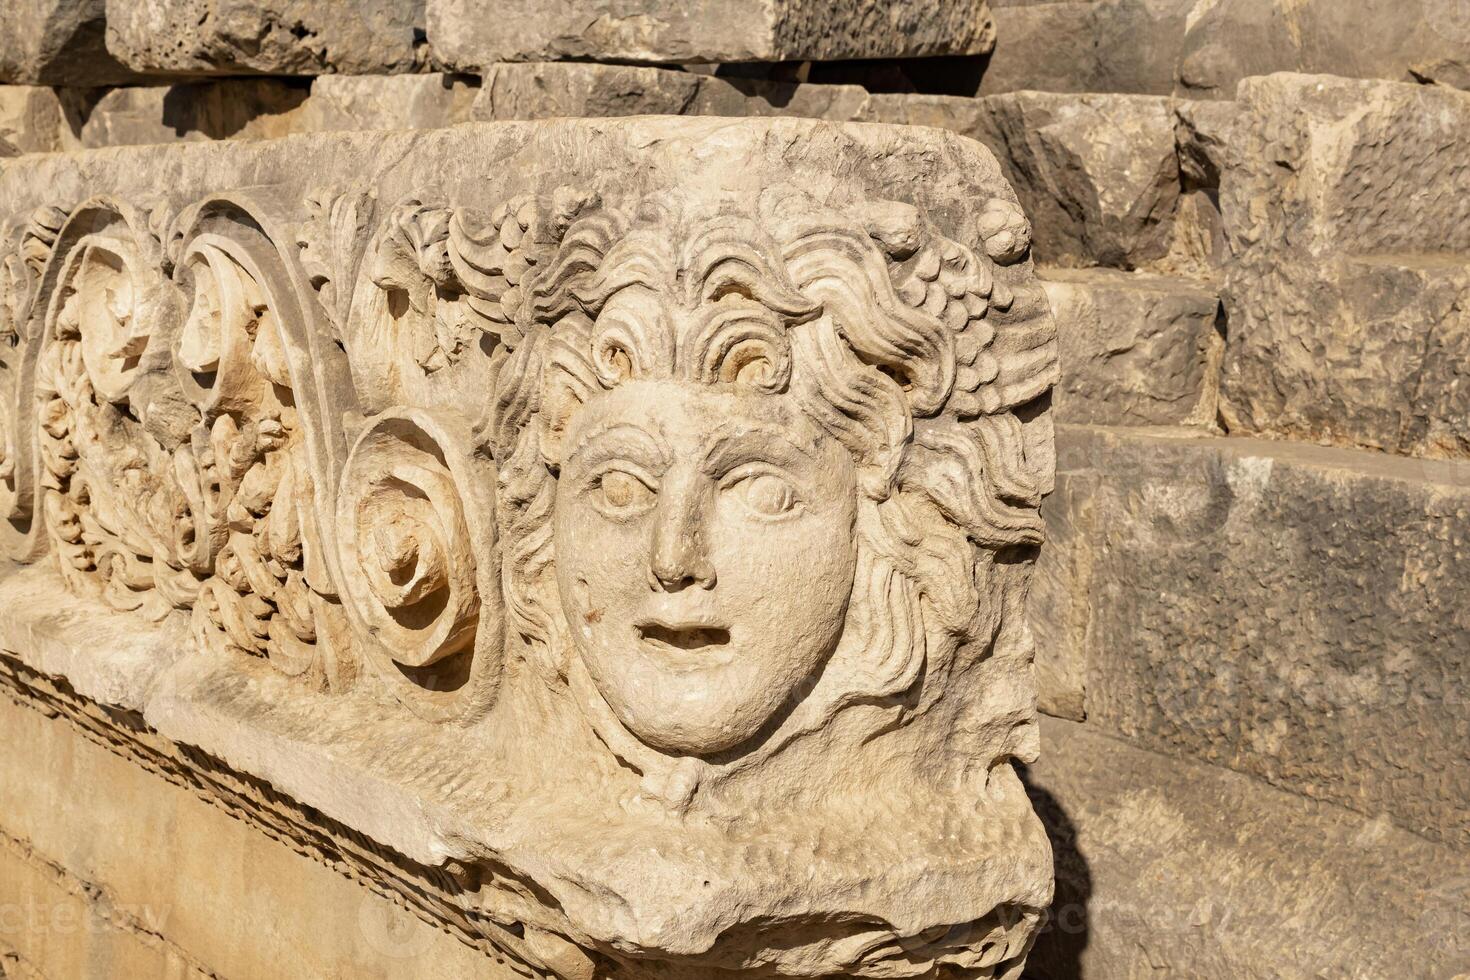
x,y
628,520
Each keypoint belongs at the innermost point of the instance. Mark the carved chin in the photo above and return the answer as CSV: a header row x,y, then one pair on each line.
x,y
701,710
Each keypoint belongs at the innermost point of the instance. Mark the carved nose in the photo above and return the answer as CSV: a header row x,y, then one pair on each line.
x,y
678,559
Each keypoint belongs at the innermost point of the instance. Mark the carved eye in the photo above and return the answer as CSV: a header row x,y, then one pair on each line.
x,y
767,494
619,493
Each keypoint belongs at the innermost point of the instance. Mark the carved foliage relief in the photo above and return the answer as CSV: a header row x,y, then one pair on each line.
x,y
720,504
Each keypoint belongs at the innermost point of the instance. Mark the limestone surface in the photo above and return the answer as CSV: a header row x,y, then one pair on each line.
x,y
31,118
469,35
1136,349
1347,210
1292,612
241,108
57,42
1182,47
1098,174
276,37
606,526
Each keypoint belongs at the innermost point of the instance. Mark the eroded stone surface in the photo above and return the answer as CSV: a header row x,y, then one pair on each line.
x,y
635,515
1347,209
1098,174
473,34
279,37
31,118
57,42
254,108
1292,612
1182,47
1136,349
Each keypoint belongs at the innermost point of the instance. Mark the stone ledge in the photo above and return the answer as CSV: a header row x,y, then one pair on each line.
x,y
1289,611
271,37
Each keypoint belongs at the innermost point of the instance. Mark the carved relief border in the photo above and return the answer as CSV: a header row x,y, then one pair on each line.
x,y
340,438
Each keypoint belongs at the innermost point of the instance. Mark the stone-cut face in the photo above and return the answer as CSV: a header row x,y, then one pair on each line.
x,y
31,118
633,518
1098,174
469,35
276,37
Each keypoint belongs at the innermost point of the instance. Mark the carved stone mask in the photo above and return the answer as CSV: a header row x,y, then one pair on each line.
x,y
706,556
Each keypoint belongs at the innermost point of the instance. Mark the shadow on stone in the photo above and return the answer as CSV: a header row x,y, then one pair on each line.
x,y
1059,948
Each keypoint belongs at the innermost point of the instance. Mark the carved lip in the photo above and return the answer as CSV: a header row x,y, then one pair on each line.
x,y
692,642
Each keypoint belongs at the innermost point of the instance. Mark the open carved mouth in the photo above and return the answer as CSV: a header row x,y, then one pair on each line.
x,y
687,639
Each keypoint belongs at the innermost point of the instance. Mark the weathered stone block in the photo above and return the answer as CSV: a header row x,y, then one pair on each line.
x,y
546,90
1346,206
1322,165
1119,46
57,42
346,102
247,889
470,35
1136,349
1173,868
1237,39
278,37
615,533
1181,47
1097,174
1295,613
1371,351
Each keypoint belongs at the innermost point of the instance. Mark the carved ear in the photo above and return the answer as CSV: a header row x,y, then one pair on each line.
x,y
568,380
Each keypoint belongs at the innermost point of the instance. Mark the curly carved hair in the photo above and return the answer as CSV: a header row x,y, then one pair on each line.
x,y
892,337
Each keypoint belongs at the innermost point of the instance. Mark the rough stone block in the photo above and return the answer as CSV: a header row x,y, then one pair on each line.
x,y
1182,47
31,118
1173,868
1295,613
1097,174
1346,205
544,90
1367,351
1121,46
1136,349
470,35
277,37
57,42
1322,166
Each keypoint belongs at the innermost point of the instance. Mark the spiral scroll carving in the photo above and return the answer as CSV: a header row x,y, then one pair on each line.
x,y
415,517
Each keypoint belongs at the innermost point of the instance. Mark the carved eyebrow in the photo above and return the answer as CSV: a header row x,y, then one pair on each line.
x,y
612,439
765,443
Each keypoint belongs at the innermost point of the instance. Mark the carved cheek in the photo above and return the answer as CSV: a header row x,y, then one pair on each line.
x,y
600,564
